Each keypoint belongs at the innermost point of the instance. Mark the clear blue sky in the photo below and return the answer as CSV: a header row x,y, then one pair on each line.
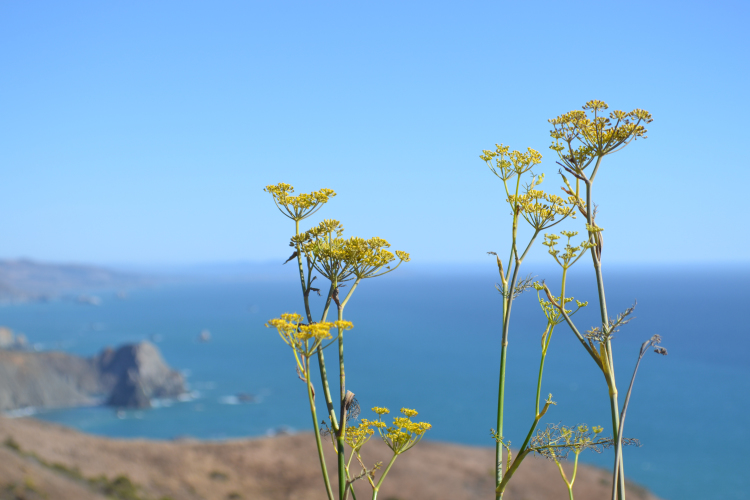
x,y
144,132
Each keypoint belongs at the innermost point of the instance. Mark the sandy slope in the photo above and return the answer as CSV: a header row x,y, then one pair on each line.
x,y
283,467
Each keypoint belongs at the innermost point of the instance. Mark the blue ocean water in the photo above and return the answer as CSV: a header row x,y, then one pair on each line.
x,y
428,338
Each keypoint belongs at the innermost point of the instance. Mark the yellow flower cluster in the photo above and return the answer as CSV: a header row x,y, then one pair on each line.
x,y
319,331
541,209
596,135
356,436
570,254
404,433
301,206
343,324
369,258
508,164
329,228
296,334
400,437
552,313
341,259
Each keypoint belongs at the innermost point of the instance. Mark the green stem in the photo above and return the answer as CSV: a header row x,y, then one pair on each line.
x,y
328,304
511,470
551,328
327,391
618,454
573,478
508,291
614,406
548,339
311,397
507,302
500,397
565,478
302,274
342,422
341,432
382,478
323,373
318,441
341,466
349,476
522,452
349,295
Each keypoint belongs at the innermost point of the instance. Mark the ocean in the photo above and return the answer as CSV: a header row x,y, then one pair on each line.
x,y
428,338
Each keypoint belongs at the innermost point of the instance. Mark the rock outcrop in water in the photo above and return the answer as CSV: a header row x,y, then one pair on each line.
x,y
138,373
128,376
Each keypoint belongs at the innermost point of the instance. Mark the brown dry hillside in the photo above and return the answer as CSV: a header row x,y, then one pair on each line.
x,y
44,461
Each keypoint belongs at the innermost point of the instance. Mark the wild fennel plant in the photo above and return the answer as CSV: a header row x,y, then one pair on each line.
x,y
581,139
341,261
541,211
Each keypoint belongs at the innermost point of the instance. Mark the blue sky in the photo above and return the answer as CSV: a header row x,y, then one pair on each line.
x,y
144,132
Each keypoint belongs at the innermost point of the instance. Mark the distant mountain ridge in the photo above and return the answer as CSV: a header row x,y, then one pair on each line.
x,y
23,280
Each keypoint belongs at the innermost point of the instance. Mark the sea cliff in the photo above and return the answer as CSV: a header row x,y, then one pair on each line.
x,y
128,376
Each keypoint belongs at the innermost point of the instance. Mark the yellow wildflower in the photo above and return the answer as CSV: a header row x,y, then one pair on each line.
x,y
301,206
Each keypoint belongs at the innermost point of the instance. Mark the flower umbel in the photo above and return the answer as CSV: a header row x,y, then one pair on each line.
x,y
304,339
404,433
506,164
301,206
542,210
580,136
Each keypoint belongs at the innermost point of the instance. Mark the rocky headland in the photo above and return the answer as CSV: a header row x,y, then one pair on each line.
x,y
129,376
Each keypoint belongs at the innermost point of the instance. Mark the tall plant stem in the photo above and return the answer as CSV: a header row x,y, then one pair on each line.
x,y
342,421
545,346
305,293
318,441
507,300
507,303
500,409
342,400
321,362
508,288
324,374
618,455
326,390
614,406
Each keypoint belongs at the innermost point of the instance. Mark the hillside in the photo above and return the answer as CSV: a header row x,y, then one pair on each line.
x,y
42,460
24,280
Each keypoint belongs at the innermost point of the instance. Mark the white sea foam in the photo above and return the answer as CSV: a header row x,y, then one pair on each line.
x,y
20,412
